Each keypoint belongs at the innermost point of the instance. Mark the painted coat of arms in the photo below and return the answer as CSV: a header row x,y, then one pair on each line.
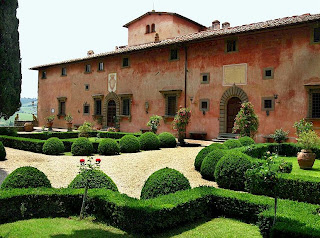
x,y
112,82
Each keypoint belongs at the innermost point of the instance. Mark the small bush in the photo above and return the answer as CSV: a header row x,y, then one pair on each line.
x,y
108,147
3,153
82,146
8,131
232,143
204,152
149,141
26,177
100,180
167,140
53,146
164,181
230,170
209,164
246,140
129,144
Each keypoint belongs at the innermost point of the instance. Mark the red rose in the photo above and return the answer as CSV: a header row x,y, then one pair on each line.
x,y
98,160
82,161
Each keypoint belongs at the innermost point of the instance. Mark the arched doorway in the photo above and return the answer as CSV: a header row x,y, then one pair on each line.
x,y
233,107
112,112
226,119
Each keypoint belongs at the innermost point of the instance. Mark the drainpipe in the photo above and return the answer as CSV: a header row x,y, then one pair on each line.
x,y
185,74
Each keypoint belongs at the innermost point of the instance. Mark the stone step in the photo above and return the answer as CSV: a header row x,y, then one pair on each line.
x,y
228,135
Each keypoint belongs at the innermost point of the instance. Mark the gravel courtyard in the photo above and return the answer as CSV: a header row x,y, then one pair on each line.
x,y
128,171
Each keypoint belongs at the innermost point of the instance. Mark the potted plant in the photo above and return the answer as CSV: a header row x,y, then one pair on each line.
x,y
50,120
69,119
85,129
154,123
180,122
307,140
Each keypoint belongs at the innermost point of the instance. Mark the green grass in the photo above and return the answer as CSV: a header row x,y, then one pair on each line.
x,y
63,227
314,172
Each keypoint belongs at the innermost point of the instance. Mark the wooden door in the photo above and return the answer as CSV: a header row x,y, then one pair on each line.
x,y
112,112
233,107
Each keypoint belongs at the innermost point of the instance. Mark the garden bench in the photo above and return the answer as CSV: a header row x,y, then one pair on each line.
x,y
198,135
144,130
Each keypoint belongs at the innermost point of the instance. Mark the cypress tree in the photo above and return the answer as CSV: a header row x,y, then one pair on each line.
x,y
10,61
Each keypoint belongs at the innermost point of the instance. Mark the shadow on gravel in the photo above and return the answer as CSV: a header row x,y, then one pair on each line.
x,y
3,175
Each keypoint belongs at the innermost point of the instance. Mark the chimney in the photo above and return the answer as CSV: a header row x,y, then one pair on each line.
x,y
225,25
215,25
90,53
156,38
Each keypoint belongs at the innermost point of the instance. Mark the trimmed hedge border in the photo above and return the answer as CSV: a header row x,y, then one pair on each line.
x,y
151,216
33,145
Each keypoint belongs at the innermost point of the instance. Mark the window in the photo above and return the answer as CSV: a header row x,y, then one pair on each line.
x,y
97,106
153,28
86,109
86,87
316,105
88,68
125,62
125,107
171,105
204,105
62,106
231,45
268,73
268,104
147,29
44,75
316,35
100,66
174,54
64,72
205,78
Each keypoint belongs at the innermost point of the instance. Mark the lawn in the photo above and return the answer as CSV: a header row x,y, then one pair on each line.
x,y
314,172
63,227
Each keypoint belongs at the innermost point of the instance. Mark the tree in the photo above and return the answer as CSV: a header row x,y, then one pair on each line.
x,y
10,61
246,122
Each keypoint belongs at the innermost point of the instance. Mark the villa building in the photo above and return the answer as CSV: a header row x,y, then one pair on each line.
x,y
172,61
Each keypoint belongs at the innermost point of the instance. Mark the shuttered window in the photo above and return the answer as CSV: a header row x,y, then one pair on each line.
x,y
171,105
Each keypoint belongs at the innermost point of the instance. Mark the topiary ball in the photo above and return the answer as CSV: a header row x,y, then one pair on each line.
x,y
209,163
149,141
53,146
230,170
3,153
167,140
98,179
108,147
246,140
164,181
82,146
26,177
204,152
232,143
129,144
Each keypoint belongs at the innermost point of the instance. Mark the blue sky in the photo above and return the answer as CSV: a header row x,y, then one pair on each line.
x,y
52,31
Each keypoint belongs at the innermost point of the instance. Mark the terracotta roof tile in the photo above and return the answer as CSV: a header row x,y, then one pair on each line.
x,y
281,22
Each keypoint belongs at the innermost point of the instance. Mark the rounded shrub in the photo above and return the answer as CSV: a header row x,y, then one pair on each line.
x,y
98,179
53,146
246,140
167,140
108,146
232,143
204,152
209,163
26,177
129,144
82,146
149,141
164,181
230,170
3,153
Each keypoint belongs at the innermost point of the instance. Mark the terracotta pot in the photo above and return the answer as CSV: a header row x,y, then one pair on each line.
x,y
69,126
306,159
49,125
28,126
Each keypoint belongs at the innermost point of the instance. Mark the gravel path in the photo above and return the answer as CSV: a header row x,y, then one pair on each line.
x,y
128,171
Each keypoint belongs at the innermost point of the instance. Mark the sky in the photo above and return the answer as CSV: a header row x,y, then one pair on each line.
x,y
58,30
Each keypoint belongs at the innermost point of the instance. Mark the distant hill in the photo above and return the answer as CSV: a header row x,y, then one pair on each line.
x,y
28,107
